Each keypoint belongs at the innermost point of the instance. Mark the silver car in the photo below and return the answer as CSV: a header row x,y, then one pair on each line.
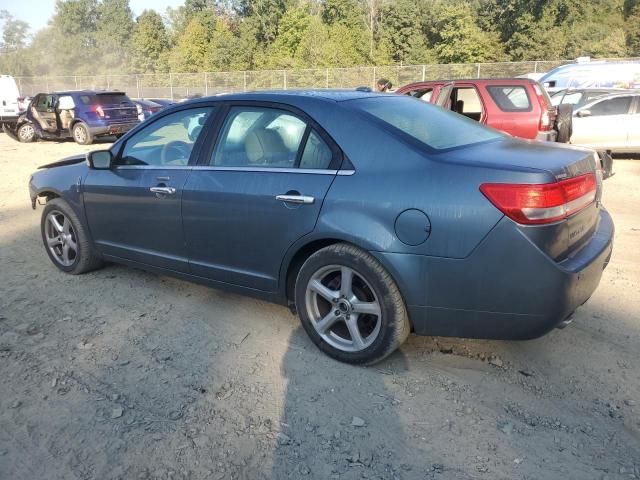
x,y
611,122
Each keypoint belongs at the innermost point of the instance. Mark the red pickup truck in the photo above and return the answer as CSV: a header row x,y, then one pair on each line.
x,y
518,106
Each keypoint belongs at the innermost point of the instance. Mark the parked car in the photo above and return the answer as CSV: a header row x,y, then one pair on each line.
x,y
609,123
146,108
517,106
593,75
9,102
165,102
82,115
577,97
373,214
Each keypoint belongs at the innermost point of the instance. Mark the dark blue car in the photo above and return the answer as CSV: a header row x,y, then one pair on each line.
x,y
373,215
82,115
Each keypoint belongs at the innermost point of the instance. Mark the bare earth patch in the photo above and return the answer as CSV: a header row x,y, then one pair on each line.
x,y
122,374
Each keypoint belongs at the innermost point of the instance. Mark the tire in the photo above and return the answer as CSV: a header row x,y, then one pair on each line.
x,y
606,163
564,123
81,134
26,133
81,256
330,317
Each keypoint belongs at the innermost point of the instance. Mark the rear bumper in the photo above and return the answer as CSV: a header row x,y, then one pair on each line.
x,y
549,136
112,129
506,289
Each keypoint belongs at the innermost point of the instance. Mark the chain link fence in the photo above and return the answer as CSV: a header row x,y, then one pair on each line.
x,y
181,85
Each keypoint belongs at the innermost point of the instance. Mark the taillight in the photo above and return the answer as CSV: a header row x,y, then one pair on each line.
x,y
545,121
99,111
534,204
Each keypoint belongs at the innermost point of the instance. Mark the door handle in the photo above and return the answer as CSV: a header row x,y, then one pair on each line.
x,y
163,190
303,199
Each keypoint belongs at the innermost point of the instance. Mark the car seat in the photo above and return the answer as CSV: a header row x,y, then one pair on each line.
x,y
265,146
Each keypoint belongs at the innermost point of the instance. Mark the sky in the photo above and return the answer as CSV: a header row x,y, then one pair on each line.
x,y
37,12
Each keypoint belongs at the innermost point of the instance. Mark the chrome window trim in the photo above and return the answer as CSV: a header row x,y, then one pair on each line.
x,y
236,169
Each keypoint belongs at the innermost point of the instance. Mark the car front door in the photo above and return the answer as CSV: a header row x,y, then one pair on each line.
x,y
133,209
602,124
260,189
43,111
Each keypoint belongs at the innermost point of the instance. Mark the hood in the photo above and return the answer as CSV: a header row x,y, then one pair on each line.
x,y
65,161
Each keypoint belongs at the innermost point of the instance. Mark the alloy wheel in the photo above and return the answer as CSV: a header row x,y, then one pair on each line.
x,y
61,238
26,132
80,134
343,308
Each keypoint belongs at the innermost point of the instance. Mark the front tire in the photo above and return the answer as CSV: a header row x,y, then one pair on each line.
x,y
350,306
66,240
26,133
81,134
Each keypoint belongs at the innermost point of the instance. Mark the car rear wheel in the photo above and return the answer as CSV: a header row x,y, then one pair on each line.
x,y
26,133
350,306
81,134
65,239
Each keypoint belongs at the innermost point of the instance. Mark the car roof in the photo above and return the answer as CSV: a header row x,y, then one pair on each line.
x,y
286,96
512,80
83,92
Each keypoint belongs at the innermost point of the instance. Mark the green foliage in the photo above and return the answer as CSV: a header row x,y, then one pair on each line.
x,y
149,44
101,36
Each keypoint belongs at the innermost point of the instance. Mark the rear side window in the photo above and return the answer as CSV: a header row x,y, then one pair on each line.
x,y
259,137
433,126
613,106
510,98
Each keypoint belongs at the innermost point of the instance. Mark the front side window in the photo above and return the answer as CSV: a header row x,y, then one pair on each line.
x,y
44,103
168,141
259,137
433,126
613,106
511,98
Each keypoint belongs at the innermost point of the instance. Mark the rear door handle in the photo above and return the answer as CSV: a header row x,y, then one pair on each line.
x,y
304,199
163,190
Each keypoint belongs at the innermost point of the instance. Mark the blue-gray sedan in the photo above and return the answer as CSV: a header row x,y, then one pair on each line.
x,y
373,215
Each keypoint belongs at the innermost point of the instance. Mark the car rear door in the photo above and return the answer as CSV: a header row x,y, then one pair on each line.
x,y
134,209
603,124
258,191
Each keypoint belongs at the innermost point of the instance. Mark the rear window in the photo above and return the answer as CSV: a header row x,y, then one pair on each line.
x,y
510,98
431,125
105,99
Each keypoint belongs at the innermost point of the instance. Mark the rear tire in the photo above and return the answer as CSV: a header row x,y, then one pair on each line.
x,y
26,133
350,306
81,134
564,123
66,240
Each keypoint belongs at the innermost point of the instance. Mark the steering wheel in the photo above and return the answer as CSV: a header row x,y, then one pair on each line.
x,y
182,149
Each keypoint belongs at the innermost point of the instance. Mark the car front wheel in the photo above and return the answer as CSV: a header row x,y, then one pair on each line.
x,y
350,306
65,239
26,133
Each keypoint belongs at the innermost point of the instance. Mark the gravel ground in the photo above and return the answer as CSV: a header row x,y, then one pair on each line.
x,y
122,374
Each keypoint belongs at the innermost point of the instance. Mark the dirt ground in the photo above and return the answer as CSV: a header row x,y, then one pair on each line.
x,y
122,374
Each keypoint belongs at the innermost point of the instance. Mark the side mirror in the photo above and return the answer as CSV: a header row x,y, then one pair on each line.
x,y
100,159
584,113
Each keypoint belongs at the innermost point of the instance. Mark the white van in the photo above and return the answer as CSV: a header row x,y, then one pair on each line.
x,y
9,108
593,75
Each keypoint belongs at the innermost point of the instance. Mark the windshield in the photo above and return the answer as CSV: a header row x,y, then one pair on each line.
x,y
433,126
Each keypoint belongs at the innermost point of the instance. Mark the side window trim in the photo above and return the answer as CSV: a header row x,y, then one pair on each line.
x,y
303,145
197,146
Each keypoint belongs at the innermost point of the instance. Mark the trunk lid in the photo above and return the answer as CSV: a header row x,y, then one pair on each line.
x,y
116,106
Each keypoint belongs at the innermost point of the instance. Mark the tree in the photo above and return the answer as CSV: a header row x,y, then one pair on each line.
x,y
190,52
149,43
401,32
632,27
114,24
457,38
13,44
